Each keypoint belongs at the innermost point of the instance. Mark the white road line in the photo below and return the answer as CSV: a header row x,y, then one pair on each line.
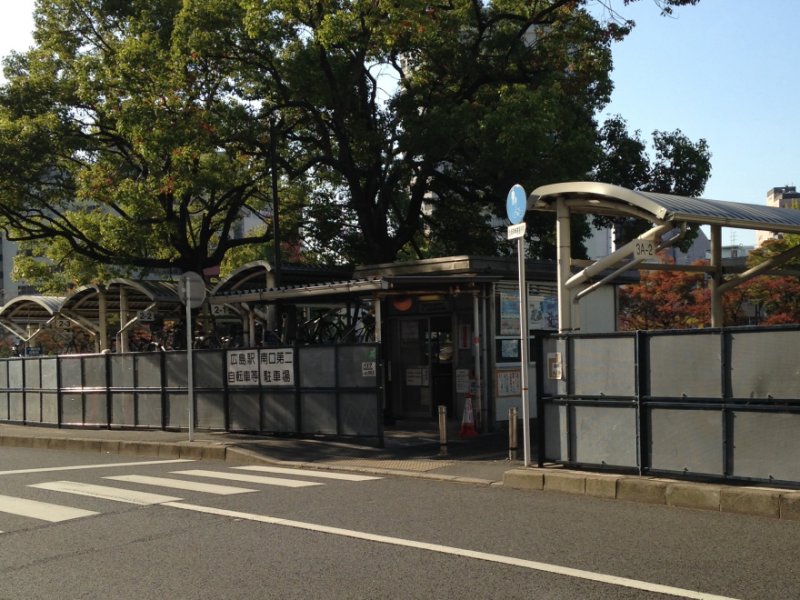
x,y
292,483
451,550
105,492
102,466
180,484
309,473
44,511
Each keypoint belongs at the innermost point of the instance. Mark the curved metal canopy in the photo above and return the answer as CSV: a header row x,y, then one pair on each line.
x,y
31,309
611,200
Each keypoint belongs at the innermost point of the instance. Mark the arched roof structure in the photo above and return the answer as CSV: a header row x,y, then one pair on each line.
x,y
25,316
666,212
612,200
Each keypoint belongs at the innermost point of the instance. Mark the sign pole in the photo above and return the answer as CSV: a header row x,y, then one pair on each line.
x,y
516,206
189,358
523,351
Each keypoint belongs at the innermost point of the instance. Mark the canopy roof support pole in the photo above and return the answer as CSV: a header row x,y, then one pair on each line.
x,y
717,309
563,259
102,319
122,336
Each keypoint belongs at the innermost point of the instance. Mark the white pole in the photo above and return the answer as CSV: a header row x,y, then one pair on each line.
x,y
523,351
189,357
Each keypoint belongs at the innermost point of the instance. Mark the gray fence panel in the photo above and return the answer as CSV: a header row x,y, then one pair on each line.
x,y
605,435
244,409
358,413
766,446
764,364
72,408
209,369
71,372
3,387
177,409
687,441
123,409
686,365
94,371
210,412
149,411
96,404
175,365
595,375
318,412
357,366
50,408
16,378
148,370
16,406
33,378
50,373
555,426
122,370
280,412
317,366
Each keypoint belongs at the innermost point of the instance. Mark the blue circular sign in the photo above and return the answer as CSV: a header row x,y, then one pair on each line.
x,y
516,204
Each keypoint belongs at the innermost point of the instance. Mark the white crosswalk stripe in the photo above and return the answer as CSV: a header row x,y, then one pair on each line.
x,y
105,492
255,474
180,484
309,473
44,511
279,481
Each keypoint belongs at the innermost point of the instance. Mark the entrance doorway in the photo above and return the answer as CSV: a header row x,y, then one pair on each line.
x,y
422,366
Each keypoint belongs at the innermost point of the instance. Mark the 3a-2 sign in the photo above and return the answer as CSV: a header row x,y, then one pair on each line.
x,y
644,249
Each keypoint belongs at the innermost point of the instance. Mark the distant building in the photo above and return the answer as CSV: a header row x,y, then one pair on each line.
x,y
780,197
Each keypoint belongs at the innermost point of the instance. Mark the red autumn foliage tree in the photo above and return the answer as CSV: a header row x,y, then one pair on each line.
x,y
682,300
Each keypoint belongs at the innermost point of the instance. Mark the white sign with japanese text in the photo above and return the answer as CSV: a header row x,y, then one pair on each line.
x,y
242,367
277,366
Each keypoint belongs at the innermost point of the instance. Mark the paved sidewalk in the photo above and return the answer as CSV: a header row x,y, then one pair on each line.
x,y
411,452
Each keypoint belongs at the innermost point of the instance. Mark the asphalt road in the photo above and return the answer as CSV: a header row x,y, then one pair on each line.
x,y
387,537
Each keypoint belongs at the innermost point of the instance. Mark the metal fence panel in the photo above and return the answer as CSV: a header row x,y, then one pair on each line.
x,y
123,409
764,365
72,408
318,413
177,409
209,369
148,369
123,371
71,372
595,375
358,413
279,414
605,435
686,441
317,366
686,365
96,408
210,413
555,436
766,446
16,377
244,410
50,408
175,369
357,366
3,389
94,371
149,411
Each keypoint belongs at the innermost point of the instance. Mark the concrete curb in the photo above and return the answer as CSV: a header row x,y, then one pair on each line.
x,y
755,501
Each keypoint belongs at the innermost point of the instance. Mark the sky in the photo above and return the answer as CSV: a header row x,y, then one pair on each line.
x,y
723,70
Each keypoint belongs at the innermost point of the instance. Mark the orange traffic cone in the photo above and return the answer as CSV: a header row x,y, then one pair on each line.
x,y
468,420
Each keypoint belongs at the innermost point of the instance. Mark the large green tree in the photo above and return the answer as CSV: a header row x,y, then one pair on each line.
x,y
677,166
117,148
138,133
